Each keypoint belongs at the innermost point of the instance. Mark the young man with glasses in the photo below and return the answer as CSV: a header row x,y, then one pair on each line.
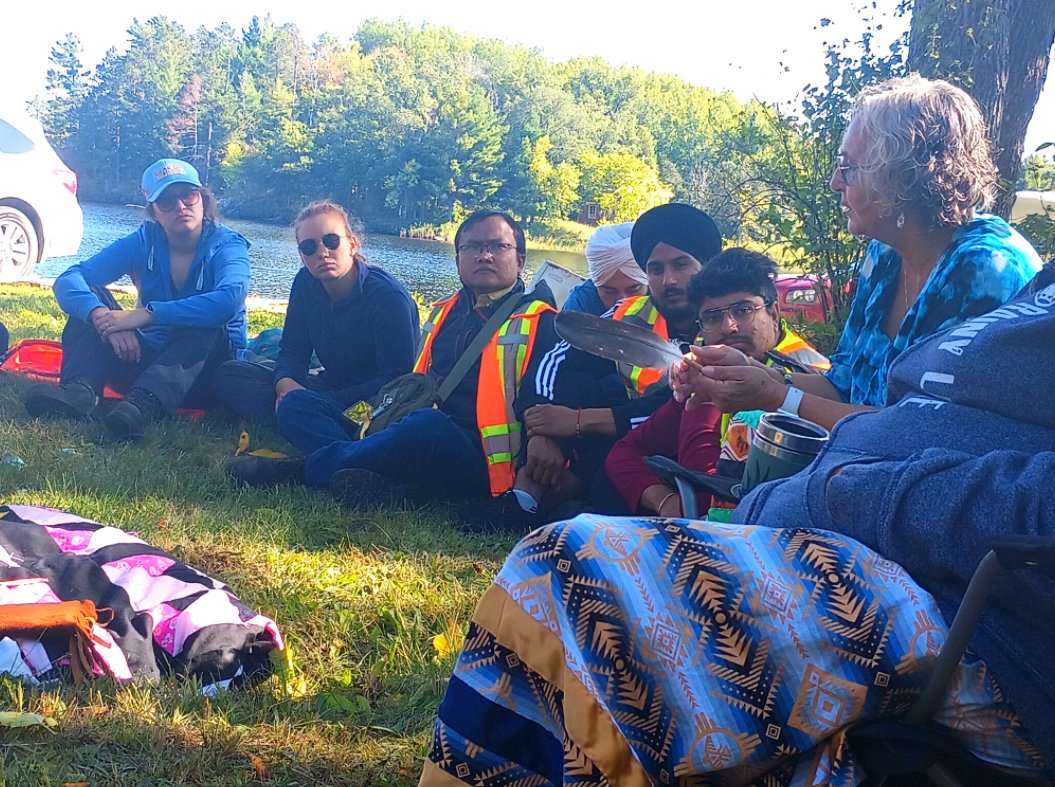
x,y
567,402
735,299
191,275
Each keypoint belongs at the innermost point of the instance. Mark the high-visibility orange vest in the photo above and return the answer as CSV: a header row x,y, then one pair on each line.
x,y
503,363
797,348
640,310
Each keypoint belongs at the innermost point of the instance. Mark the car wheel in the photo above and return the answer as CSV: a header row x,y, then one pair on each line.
x,y
19,245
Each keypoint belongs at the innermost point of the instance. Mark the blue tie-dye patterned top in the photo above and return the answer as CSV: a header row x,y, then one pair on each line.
x,y
984,266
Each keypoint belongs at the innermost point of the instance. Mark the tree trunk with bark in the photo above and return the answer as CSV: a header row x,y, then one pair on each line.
x,y
997,50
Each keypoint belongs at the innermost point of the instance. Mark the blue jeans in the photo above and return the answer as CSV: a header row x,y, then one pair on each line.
x,y
425,448
311,420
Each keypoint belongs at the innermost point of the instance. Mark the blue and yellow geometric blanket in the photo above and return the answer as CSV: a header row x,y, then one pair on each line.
x,y
641,652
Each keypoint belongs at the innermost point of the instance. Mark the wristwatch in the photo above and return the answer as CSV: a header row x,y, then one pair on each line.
x,y
792,400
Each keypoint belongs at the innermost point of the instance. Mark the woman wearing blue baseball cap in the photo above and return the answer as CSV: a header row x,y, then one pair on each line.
x,y
191,274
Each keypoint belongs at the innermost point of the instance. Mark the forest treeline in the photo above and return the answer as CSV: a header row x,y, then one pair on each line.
x,y
414,127
409,127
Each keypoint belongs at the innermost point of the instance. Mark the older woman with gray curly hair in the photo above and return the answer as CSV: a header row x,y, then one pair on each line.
x,y
914,172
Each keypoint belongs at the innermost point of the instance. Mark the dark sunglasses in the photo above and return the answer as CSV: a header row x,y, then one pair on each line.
x,y
308,246
169,199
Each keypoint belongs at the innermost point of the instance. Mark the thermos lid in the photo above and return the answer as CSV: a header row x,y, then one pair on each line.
x,y
792,432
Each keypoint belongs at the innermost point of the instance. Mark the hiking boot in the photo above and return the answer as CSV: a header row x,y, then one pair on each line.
x,y
265,470
129,418
365,490
74,399
499,515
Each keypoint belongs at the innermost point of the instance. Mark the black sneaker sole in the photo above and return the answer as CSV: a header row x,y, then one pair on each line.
x,y
365,490
256,472
505,518
43,406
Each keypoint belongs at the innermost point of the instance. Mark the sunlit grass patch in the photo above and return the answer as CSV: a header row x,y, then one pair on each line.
x,y
360,599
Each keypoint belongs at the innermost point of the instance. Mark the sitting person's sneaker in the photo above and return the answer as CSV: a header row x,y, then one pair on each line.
x,y
365,490
503,514
129,418
74,399
264,470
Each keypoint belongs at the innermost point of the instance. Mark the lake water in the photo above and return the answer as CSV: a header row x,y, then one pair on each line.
x,y
423,266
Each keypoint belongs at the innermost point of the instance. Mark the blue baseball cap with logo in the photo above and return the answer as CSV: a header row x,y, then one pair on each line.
x,y
162,174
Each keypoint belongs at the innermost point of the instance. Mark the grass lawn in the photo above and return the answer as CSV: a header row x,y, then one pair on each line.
x,y
360,600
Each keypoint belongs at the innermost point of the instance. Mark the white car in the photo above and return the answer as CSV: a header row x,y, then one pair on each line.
x,y
39,213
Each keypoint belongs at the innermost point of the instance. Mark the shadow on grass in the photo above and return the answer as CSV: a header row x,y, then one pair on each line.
x,y
129,752
169,734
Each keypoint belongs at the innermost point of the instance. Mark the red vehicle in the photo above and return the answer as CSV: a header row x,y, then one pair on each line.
x,y
804,296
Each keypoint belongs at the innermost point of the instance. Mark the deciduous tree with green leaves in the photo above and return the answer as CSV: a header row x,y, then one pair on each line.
x,y
997,50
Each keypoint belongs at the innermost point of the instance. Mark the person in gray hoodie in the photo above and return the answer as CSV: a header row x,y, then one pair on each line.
x,y
654,650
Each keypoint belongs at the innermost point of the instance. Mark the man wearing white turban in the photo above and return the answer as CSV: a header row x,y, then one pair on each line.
x,y
614,273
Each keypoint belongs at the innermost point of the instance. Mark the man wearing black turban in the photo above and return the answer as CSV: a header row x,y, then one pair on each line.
x,y
670,243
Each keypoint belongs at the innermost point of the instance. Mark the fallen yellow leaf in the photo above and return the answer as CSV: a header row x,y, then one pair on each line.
x,y
268,453
15,719
449,641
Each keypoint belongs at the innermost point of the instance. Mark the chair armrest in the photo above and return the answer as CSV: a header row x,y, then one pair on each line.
x,y
1035,552
686,481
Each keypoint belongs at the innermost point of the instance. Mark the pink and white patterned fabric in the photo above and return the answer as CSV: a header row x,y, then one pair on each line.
x,y
167,616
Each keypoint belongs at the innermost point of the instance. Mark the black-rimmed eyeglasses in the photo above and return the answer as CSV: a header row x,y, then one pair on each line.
x,y
308,246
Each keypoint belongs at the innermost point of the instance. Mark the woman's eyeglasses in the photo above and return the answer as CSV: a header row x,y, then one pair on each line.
x,y
848,172
743,313
308,246
169,199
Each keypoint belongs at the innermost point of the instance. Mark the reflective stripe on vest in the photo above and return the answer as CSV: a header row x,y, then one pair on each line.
x,y
640,310
503,363
439,313
505,360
